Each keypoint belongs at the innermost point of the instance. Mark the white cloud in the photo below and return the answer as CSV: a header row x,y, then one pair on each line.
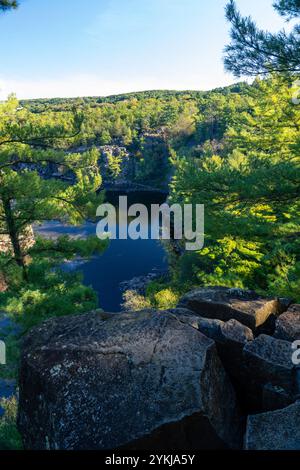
x,y
91,85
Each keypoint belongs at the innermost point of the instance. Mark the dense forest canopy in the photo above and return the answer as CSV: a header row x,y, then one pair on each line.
x,y
233,149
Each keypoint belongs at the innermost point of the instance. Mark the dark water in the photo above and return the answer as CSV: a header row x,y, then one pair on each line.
x,y
123,259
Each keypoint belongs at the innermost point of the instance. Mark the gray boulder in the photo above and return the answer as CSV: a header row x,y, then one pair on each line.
x,y
137,380
288,324
230,333
274,397
208,326
230,338
233,331
276,430
224,304
268,361
8,389
234,337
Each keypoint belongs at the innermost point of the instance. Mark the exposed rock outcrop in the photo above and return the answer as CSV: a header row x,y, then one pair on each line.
x,y
288,324
230,337
261,369
276,430
225,304
184,378
136,380
139,283
269,368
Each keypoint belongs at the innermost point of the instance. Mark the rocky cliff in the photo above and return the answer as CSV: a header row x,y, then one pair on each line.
x,y
119,164
216,372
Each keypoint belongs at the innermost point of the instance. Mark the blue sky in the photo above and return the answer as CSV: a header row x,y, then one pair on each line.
x,y
100,47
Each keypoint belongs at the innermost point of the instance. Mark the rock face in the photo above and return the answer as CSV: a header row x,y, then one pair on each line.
x,y
261,369
225,304
137,380
234,338
270,372
184,378
271,360
288,324
230,337
276,430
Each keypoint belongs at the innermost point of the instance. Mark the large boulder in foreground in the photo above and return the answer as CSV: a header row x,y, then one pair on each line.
x,y
141,380
224,304
288,324
276,430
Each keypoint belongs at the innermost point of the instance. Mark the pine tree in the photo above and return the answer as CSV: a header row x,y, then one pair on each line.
x,y
251,196
253,51
8,5
30,146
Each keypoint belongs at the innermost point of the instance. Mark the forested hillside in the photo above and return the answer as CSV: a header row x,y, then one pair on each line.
x,y
146,126
233,149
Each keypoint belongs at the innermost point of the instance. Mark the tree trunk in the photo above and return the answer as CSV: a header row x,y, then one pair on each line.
x,y
14,235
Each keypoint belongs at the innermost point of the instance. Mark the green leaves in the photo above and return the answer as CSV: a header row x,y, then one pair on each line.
x,y
8,4
40,180
253,51
288,8
251,196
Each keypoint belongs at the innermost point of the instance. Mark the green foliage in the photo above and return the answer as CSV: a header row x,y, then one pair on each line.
x,y
114,164
253,51
10,438
287,8
48,292
134,302
162,295
148,124
251,196
28,144
165,298
159,295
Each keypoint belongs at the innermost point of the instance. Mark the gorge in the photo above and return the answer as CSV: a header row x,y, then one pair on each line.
x,y
121,261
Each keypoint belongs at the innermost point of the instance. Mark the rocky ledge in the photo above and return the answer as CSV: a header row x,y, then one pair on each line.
x,y
201,376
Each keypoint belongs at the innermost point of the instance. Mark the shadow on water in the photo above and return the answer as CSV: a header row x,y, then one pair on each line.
x,y
123,259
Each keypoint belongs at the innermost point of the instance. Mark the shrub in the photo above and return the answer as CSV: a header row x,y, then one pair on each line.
x,y
10,438
134,302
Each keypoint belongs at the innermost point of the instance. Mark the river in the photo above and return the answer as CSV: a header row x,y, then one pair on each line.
x,y
121,261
